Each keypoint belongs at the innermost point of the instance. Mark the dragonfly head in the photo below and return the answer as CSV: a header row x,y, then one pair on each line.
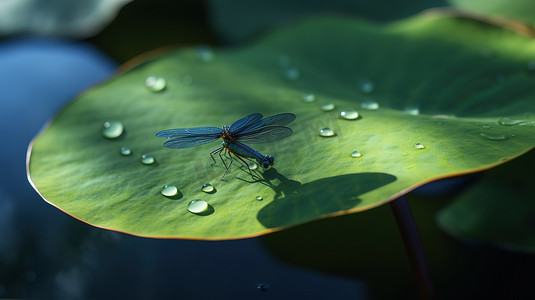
x,y
267,161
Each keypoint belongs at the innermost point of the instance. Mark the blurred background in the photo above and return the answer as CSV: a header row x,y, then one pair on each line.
x,y
52,50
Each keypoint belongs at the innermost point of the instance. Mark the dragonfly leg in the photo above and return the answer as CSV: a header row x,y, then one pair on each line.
x,y
218,150
226,171
247,165
222,160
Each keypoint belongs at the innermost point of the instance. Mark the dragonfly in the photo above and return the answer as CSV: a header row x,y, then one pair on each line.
x,y
252,129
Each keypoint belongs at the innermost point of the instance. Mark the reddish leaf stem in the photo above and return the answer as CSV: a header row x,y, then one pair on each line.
x,y
413,245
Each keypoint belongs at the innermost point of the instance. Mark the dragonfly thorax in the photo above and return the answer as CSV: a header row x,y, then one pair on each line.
x,y
226,135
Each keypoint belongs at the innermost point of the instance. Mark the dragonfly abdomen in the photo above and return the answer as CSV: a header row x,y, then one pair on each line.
x,y
245,151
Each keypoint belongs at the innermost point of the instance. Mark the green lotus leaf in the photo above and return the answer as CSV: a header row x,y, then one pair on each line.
x,y
500,209
521,10
445,84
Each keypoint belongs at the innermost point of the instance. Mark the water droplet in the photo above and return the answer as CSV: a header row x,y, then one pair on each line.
x,y
412,110
355,154
326,132
531,65
369,104
292,73
509,121
205,53
308,97
349,114
126,151
197,206
366,86
442,116
493,137
284,61
259,198
169,190
155,83
514,121
419,146
327,107
147,159
252,165
207,188
187,80
262,287
112,129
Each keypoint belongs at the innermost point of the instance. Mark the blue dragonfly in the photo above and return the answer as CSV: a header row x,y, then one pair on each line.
x,y
252,129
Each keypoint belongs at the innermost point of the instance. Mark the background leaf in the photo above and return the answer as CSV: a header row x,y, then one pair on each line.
x,y
500,209
521,10
463,84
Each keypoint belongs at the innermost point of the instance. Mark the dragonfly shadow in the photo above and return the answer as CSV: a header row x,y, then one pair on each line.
x,y
296,203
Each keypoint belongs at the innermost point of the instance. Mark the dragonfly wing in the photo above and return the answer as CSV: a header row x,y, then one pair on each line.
x,y
280,119
265,135
187,132
246,122
189,141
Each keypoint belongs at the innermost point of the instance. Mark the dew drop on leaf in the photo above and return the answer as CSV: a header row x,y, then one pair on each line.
x,y
112,129
169,190
412,110
308,97
326,132
327,107
197,206
207,188
370,104
519,122
355,154
252,165
147,159
509,121
493,137
419,146
126,151
259,198
441,116
349,114
155,83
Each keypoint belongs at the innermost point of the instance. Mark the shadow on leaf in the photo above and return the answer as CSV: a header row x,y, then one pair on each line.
x,y
295,202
